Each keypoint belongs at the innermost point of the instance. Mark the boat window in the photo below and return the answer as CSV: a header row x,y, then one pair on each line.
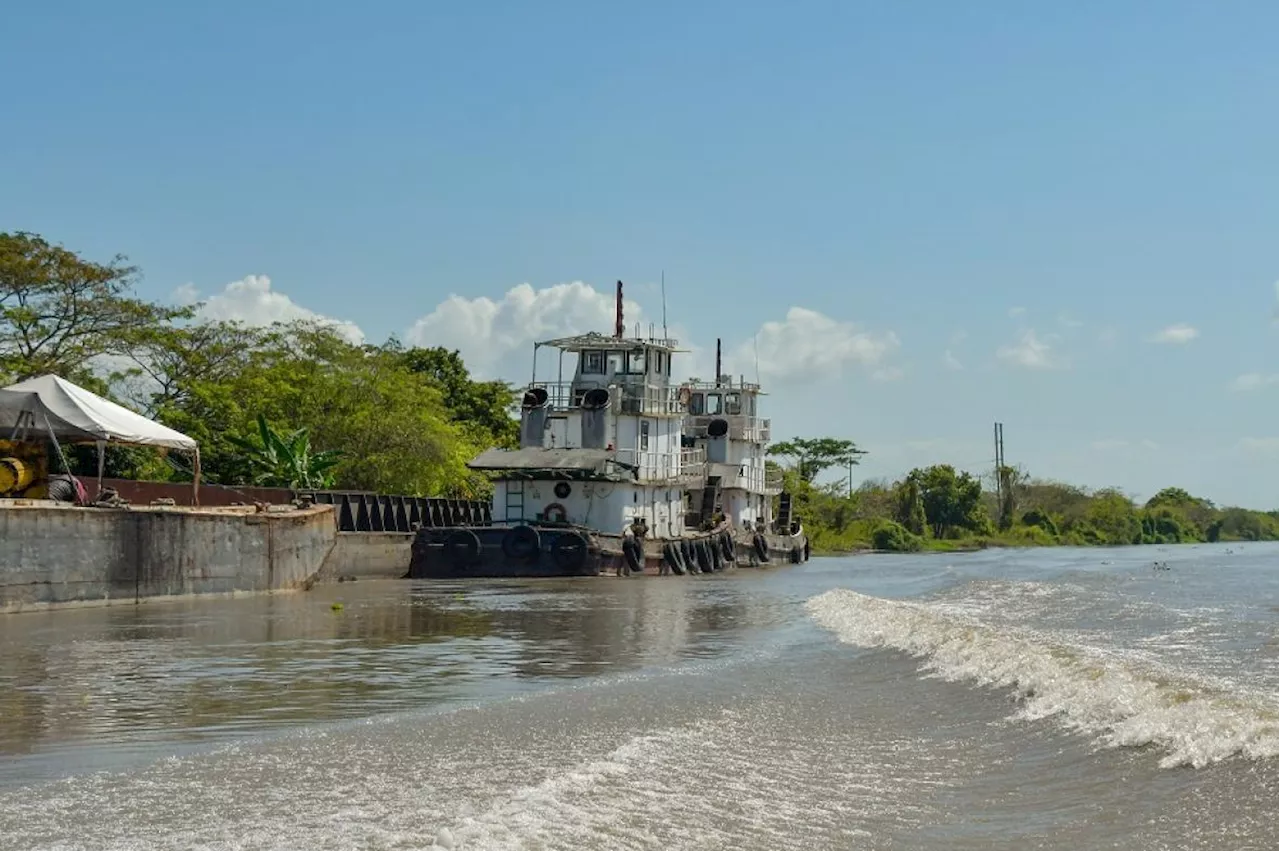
x,y
657,363
695,404
615,363
636,362
751,405
713,403
644,435
593,363
733,403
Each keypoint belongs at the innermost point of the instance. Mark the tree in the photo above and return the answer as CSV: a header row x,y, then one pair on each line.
x,y
816,455
481,405
58,311
951,501
909,510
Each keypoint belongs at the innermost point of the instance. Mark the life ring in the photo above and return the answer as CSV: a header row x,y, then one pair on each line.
x,y
522,543
555,513
570,552
686,395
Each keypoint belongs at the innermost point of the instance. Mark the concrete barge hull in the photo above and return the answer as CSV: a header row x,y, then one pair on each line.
x,y
55,555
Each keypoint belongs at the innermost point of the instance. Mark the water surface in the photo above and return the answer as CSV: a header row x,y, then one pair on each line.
x,y
1017,699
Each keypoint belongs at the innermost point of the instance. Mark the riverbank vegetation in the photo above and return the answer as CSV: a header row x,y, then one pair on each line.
x,y
291,404
941,508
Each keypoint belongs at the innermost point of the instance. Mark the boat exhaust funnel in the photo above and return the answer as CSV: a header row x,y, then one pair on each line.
x,y
533,417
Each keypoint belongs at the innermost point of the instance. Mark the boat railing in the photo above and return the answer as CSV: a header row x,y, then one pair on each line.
x,y
741,427
689,466
628,398
749,478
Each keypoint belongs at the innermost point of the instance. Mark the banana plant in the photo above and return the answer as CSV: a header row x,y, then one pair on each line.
x,y
287,460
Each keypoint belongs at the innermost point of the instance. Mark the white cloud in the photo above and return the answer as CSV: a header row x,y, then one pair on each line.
x,y
1251,381
951,362
809,346
1029,351
252,301
496,336
1015,312
1177,334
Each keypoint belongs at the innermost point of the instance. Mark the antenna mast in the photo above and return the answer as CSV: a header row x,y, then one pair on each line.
x,y
664,304
619,330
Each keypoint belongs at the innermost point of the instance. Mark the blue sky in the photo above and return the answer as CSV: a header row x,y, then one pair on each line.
x,y
876,193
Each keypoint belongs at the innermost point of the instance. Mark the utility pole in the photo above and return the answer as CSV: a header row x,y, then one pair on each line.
x,y
998,432
851,462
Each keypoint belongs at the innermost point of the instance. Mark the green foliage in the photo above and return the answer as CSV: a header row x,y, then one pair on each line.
x,y
813,456
483,407
909,510
892,537
58,311
952,501
287,461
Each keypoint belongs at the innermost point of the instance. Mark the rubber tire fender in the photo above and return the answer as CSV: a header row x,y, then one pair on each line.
x,y
633,554
727,549
671,555
704,556
569,551
522,543
762,548
689,557
462,548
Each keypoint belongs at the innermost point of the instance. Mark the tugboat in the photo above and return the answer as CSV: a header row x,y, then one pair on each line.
x,y
624,470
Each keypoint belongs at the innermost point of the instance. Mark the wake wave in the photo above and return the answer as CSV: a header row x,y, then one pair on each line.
x,y
1107,695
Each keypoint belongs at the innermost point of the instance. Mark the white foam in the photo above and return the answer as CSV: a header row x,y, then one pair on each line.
x,y
1089,689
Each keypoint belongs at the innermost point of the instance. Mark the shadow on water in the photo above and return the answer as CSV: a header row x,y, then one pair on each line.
x,y
196,671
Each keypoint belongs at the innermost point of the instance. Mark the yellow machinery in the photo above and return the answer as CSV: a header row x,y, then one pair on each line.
x,y
24,470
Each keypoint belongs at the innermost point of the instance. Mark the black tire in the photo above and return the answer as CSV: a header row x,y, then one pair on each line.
x,y
522,543
704,556
796,555
717,558
462,548
806,550
633,555
688,556
569,552
61,489
671,556
762,548
727,548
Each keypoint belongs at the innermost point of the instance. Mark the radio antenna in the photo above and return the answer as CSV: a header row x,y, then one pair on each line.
x,y
664,304
755,345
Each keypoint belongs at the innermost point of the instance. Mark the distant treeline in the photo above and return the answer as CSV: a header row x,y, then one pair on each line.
x,y
939,507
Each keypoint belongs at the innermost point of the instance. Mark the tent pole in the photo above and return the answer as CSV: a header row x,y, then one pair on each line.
x,y
195,480
101,463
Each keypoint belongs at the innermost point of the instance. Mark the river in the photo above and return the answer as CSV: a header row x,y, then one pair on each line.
x,y
1054,699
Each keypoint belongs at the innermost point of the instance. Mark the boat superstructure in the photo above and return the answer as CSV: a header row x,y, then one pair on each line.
x,y
619,446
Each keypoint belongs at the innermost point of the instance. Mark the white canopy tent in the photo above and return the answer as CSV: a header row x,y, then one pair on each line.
x,y
70,414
